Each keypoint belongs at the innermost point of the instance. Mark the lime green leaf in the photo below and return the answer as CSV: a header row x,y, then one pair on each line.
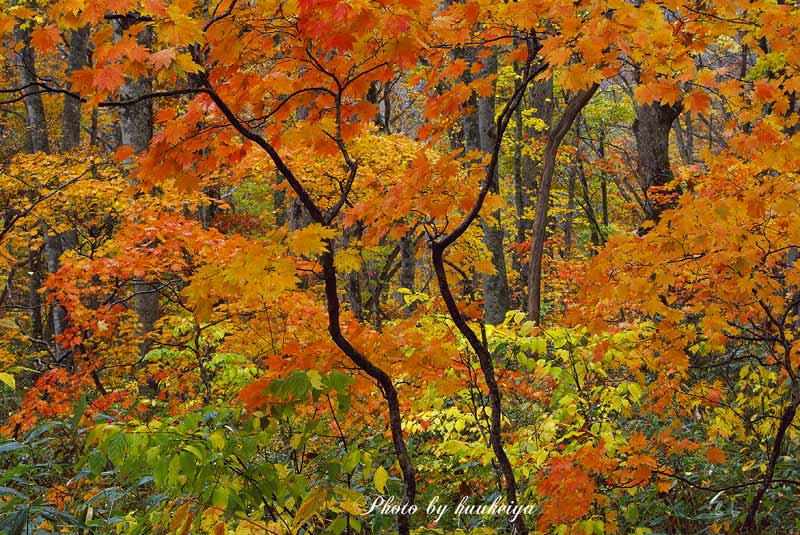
x,y
8,380
315,378
217,439
381,477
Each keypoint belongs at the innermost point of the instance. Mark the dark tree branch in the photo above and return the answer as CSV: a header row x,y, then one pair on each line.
x,y
438,249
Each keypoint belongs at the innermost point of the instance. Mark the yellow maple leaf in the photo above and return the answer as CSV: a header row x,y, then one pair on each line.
x,y
310,239
348,260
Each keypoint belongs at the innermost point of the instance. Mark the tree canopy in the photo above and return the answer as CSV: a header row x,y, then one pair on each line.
x,y
397,266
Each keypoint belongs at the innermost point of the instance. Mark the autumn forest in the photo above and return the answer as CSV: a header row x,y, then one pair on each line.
x,y
363,267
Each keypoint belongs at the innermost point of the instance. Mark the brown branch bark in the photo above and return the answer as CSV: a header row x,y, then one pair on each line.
x,y
750,525
333,309
576,104
438,248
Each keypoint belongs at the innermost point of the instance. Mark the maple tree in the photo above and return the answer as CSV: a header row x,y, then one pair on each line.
x,y
287,256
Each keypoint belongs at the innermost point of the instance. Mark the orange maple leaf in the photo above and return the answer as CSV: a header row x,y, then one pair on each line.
x,y
162,59
698,101
715,455
46,38
108,78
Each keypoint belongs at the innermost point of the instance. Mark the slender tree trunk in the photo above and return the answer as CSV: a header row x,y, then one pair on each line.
x,y
542,106
298,215
354,295
408,266
36,141
486,361
576,104
570,217
71,115
327,263
136,130
750,524
353,278
54,241
604,198
683,141
689,130
26,69
385,383
588,206
34,292
485,358
52,253
519,189
279,201
480,133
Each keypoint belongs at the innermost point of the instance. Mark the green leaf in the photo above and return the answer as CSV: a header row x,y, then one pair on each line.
x,y
96,462
351,460
196,451
217,439
315,378
188,465
339,381
78,414
8,380
11,445
296,441
160,472
220,497
380,478
339,525
632,513
539,346
116,447
635,391
7,491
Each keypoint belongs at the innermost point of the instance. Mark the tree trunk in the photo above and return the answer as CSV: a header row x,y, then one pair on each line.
x,y
353,278
136,129
53,248
604,197
36,119
479,133
651,129
71,116
684,141
576,104
540,102
519,192
279,201
588,205
34,295
36,141
55,242
568,224
408,266
298,216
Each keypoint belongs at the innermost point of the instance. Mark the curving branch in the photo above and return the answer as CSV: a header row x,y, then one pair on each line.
x,y
438,249
385,382
574,107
